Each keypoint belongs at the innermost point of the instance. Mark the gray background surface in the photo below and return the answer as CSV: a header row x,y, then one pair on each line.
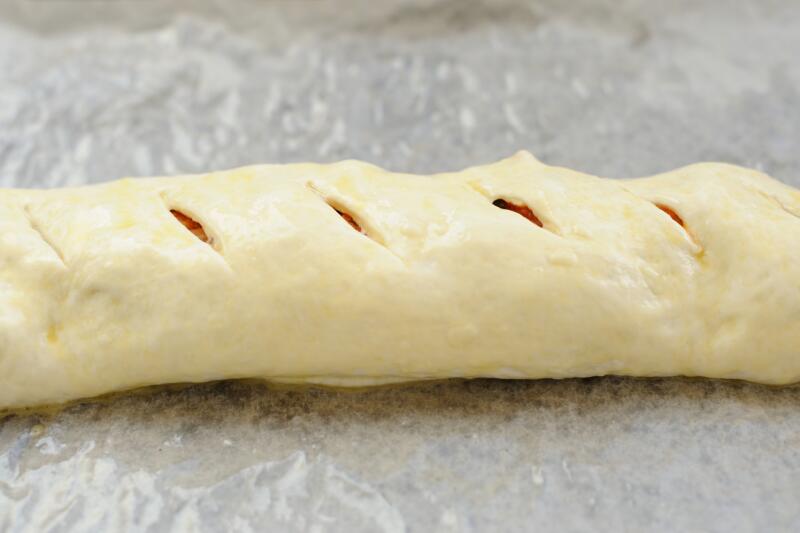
x,y
91,91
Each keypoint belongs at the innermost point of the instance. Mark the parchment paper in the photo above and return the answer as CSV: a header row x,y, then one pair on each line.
x,y
91,91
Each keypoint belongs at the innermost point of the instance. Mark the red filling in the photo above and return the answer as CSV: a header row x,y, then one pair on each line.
x,y
350,220
672,214
523,210
192,225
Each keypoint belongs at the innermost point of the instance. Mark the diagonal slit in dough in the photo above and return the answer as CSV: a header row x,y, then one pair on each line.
x,y
350,220
520,209
342,212
195,227
38,229
347,217
778,203
192,225
678,220
354,222
672,214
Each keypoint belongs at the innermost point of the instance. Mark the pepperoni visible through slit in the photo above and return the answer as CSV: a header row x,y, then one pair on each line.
x,y
679,221
192,225
350,220
672,214
523,210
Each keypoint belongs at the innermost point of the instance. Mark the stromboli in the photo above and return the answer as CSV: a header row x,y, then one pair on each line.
x,y
348,274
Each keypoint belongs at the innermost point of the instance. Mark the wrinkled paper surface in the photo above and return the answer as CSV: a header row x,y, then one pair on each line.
x,y
91,91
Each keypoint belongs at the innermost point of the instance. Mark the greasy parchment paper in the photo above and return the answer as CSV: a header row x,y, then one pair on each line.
x,y
91,91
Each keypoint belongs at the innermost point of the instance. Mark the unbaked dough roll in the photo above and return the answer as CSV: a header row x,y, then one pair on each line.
x,y
347,274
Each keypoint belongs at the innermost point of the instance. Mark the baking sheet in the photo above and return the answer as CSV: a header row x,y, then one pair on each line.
x,y
91,91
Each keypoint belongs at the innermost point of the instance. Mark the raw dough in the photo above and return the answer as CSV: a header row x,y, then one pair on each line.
x,y
102,288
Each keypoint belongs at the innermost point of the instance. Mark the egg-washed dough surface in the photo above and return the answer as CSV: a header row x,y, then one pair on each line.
x,y
103,289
